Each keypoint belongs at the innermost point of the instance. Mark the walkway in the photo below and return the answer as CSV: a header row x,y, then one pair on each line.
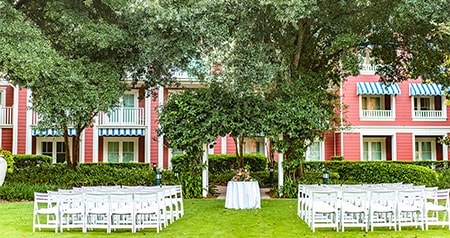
x,y
222,191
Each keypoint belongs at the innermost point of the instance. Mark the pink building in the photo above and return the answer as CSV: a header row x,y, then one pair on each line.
x,y
399,122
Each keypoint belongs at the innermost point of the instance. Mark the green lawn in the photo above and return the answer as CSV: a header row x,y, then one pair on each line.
x,y
209,218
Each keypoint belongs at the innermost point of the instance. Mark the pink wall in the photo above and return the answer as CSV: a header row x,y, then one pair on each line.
x,y
352,146
404,146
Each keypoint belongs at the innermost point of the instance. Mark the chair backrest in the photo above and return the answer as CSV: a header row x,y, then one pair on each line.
x,y
358,198
147,198
384,197
411,197
119,199
96,200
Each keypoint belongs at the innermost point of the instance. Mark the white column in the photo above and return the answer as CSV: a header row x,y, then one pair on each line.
x,y
16,123
95,141
280,172
224,145
205,171
29,121
266,147
148,109
160,138
81,147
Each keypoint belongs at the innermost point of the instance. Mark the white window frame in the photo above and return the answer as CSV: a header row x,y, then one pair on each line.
x,y
135,140
432,140
370,140
417,98
382,107
54,140
3,97
321,152
381,97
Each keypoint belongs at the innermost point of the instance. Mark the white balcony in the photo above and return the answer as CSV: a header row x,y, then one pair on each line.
x,y
367,69
122,117
377,114
428,114
6,116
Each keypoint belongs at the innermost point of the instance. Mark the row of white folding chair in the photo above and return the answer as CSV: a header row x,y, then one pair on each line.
x,y
88,210
390,206
437,208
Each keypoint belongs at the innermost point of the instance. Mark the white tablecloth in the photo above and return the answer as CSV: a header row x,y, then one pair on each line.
x,y
243,195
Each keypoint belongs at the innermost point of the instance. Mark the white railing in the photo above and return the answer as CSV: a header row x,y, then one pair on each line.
x,y
377,114
367,68
123,117
428,114
6,115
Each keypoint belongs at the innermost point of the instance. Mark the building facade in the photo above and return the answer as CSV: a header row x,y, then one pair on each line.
x,y
401,121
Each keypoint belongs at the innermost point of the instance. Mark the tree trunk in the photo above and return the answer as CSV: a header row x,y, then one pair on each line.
x,y
67,148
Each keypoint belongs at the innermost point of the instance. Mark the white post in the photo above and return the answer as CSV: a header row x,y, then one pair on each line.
x,y
161,137
205,171
280,172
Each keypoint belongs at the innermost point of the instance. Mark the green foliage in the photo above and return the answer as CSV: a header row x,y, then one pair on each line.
x,y
191,184
7,155
337,158
22,161
218,163
23,191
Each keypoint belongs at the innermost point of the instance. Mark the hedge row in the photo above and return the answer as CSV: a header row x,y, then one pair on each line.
x,y
223,162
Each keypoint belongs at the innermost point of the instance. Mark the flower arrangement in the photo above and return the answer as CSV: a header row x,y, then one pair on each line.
x,y
242,174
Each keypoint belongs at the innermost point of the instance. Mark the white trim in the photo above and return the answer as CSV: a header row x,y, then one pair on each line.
x,y
224,145
147,142
161,137
81,146
29,137
432,141
369,140
15,142
95,141
135,141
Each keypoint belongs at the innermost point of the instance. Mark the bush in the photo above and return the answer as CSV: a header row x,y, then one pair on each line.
x,y
22,191
7,155
222,163
24,161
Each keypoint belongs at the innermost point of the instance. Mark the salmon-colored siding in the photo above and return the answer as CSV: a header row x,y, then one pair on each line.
x,y
404,146
22,121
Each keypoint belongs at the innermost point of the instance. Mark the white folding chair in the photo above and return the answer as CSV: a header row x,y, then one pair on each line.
x,y
410,208
324,210
354,209
97,211
71,208
382,209
437,208
45,212
148,210
122,210
179,196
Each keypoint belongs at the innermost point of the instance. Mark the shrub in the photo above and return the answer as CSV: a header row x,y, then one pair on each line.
x,y
22,191
7,155
24,161
222,163
337,158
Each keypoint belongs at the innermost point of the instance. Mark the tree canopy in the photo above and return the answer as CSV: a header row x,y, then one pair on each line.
x,y
75,56
293,52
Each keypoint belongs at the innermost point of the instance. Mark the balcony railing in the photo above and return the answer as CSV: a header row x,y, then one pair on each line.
x,y
377,114
428,114
367,68
6,115
123,117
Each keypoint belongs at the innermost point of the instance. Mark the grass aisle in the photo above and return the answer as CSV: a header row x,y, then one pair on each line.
x,y
209,218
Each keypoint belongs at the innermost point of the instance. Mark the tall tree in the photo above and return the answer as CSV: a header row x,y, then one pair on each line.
x,y
74,56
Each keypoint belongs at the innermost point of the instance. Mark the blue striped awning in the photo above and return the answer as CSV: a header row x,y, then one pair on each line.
x,y
52,132
122,132
425,89
377,88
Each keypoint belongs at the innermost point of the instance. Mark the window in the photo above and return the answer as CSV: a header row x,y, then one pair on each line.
x,y
126,113
371,103
314,152
119,150
53,147
374,149
425,149
423,103
254,145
